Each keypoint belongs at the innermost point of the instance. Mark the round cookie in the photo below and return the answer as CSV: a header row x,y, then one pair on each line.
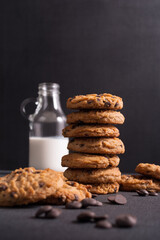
x,y
95,101
104,188
71,191
28,185
147,169
97,145
90,176
137,182
92,130
96,116
80,160
24,186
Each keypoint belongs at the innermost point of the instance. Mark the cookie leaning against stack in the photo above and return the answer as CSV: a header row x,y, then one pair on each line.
x,y
95,143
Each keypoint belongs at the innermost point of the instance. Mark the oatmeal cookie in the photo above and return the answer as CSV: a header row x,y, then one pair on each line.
x,y
97,145
95,101
96,116
137,182
92,130
90,176
147,169
81,160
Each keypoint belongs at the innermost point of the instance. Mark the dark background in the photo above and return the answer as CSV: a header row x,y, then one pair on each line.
x,y
87,46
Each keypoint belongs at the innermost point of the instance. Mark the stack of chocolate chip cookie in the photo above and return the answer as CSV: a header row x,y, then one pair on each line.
x,y
95,143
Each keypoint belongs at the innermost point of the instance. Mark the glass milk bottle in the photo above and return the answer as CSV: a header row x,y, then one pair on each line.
x,y
46,143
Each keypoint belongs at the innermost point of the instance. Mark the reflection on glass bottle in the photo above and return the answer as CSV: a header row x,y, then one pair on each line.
x,y
46,143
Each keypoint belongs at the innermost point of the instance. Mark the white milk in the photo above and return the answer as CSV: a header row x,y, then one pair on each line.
x,y
46,152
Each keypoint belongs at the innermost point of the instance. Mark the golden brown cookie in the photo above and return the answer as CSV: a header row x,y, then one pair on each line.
x,y
81,160
71,191
28,185
97,145
137,182
107,175
96,116
24,186
147,169
95,101
104,188
92,130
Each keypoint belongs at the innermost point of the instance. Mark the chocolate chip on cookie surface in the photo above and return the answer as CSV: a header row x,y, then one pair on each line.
x,y
97,145
96,116
95,101
92,130
94,176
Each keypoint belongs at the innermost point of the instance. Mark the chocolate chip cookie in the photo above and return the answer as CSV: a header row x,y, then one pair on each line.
x,y
97,145
147,169
92,130
137,182
80,160
104,188
96,116
95,176
28,185
95,101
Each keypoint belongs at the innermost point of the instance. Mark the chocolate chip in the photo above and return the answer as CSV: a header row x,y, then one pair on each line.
x,y
3,187
71,183
117,199
126,221
142,192
152,193
86,216
111,199
81,145
13,194
36,172
98,218
120,199
53,213
43,210
73,205
19,172
104,224
116,105
106,103
90,101
90,202
98,99
41,184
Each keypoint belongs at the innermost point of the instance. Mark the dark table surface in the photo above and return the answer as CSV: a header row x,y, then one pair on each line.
x,y
19,222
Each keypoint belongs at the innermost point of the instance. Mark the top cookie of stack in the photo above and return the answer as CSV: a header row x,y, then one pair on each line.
x,y
95,144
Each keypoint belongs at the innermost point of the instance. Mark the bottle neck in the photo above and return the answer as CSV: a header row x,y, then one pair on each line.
x,y
49,102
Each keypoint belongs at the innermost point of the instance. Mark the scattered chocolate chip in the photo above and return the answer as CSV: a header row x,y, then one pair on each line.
x,y
41,184
98,218
104,224
13,194
73,205
3,187
120,199
111,198
86,216
152,193
90,202
42,211
126,221
142,192
94,195
53,213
